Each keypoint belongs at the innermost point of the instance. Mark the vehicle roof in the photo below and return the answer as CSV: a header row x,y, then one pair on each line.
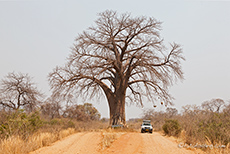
x,y
146,121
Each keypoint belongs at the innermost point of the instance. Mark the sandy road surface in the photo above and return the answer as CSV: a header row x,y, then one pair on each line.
x,y
128,143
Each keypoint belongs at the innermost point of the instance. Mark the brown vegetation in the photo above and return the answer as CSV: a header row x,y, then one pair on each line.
x,y
22,132
18,145
28,123
208,124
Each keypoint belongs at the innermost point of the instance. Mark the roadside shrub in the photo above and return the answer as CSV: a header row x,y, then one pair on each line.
x,y
55,121
20,123
216,128
70,124
171,127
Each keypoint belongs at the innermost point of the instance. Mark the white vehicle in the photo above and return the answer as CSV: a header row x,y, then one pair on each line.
x,y
146,126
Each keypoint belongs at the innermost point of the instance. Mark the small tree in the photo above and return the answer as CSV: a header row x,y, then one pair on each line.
x,y
18,91
51,109
214,105
171,112
82,112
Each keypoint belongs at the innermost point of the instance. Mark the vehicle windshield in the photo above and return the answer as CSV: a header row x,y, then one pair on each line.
x,y
147,124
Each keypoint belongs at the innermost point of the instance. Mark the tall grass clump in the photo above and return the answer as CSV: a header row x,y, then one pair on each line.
x,y
16,144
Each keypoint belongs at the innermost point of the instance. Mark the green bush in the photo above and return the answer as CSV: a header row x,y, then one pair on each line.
x,y
20,123
171,128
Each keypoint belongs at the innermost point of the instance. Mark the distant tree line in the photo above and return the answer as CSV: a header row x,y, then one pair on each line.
x,y
205,123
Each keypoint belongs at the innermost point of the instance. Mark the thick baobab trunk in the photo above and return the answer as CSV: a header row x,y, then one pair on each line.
x,y
116,106
117,111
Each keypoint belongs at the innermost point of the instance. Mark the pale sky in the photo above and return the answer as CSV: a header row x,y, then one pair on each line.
x,y
36,36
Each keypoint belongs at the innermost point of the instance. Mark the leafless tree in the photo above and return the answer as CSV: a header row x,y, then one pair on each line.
x,y
124,58
51,108
226,110
55,105
18,91
171,112
214,105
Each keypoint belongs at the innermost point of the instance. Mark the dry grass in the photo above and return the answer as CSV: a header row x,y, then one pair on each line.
x,y
51,131
66,132
210,149
15,144
107,139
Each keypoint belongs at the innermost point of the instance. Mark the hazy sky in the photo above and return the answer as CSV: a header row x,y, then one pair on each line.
x,y
36,36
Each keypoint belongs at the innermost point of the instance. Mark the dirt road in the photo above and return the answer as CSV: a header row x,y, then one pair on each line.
x,y
127,143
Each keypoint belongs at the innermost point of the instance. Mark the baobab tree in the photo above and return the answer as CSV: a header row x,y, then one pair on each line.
x,y
122,57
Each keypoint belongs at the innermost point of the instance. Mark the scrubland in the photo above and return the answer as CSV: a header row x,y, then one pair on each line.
x,y
22,133
206,127
195,127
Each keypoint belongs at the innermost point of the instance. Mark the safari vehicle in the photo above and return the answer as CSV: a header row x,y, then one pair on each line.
x,y
146,126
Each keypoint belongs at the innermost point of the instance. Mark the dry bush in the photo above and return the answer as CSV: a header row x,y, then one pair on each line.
x,y
107,139
134,124
22,132
158,117
205,124
52,130
89,125
204,127
172,128
208,124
